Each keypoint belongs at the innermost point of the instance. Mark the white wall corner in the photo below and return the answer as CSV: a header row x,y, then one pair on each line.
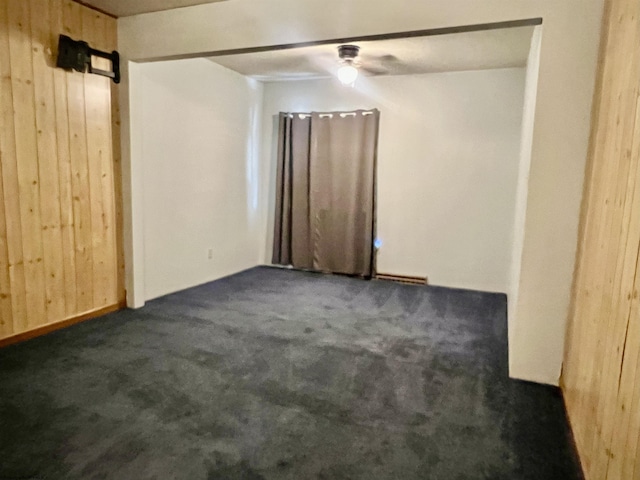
x,y
526,145
132,174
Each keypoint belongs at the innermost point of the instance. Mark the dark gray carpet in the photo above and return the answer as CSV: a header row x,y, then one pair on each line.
x,y
276,374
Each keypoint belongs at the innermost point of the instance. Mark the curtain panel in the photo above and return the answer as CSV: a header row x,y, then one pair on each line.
x,y
325,191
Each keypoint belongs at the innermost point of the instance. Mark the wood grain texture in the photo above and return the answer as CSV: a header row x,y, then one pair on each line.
x,y
27,158
111,40
43,62
601,378
59,238
11,198
52,327
6,152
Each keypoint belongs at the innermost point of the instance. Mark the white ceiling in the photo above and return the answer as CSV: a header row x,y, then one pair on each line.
x,y
480,50
125,8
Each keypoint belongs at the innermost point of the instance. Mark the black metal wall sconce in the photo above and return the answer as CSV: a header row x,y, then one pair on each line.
x,y
77,55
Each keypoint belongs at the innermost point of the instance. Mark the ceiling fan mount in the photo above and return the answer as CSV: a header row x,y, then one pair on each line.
x,y
348,52
352,60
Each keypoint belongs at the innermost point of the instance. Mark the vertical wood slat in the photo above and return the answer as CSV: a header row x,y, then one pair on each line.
x,y
108,167
6,313
576,330
80,186
6,154
43,62
112,42
617,278
98,124
601,373
67,227
27,157
626,408
58,172
13,219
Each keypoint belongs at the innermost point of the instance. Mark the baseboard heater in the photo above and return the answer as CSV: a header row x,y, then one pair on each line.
x,y
402,279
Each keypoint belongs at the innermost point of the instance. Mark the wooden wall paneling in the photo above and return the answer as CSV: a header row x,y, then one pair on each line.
x,y
613,314
616,329
614,317
80,185
625,462
108,167
43,62
577,332
27,157
600,374
67,227
6,308
624,396
630,457
626,409
94,86
52,327
585,291
6,314
112,44
98,115
12,210
60,216
588,291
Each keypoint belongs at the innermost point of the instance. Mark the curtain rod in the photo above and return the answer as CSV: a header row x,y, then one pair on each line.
x,y
303,115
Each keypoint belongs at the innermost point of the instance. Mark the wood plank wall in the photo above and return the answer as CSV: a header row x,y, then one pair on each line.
x,y
601,372
60,195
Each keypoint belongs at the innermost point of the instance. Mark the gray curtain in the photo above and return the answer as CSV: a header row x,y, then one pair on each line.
x,y
325,195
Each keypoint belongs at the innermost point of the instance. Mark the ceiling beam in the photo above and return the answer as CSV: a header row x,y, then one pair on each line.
x,y
382,36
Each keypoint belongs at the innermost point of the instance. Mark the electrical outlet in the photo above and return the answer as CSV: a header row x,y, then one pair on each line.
x,y
210,254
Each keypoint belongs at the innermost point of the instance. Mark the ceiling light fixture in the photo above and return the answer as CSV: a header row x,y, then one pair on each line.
x,y
348,71
347,74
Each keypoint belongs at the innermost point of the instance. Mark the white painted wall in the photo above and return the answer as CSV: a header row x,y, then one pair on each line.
x,y
518,341
568,56
447,167
194,124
